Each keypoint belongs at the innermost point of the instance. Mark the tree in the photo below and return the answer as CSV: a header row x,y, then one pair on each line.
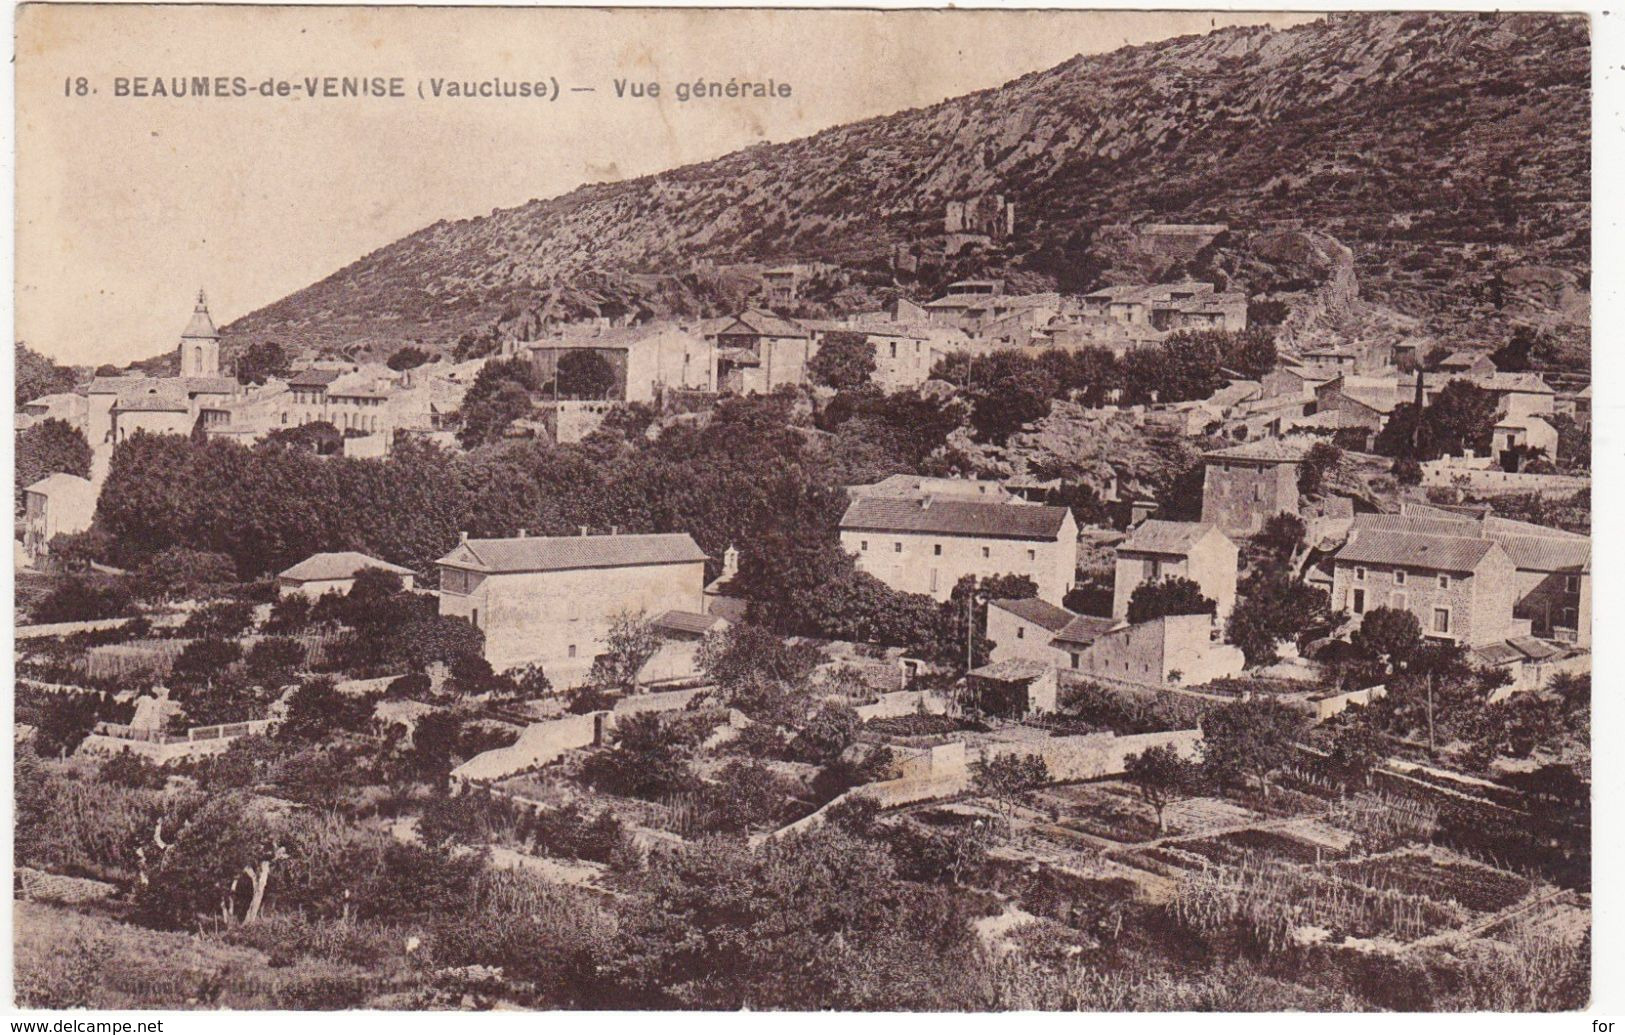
x,y
1462,417
1009,779
1254,737
1006,390
1281,536
485,420
1250,353
214,865
1389,634
845,361
744,796
289,614
65,721
830,731
407,358
1161,775
262,361
1173,595
585,374
1274,606
648,760
37,376
1319,460
202,663
83,599
223,620
317,709
179,573
628,646
532,683
52,446
274,660
1357,746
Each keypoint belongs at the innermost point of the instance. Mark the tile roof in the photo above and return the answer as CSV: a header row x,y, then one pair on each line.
x,y
564,553
345,564
1038,612
688,622
314,378
1084,630
60,482
1011,670
1415,549
1280,450
1509,382
1531,547
759,321
943,515
1168,537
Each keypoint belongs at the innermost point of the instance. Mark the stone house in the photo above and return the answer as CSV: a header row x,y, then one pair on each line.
x,y
645,359
1459,588
1014,687
58,504
1168,651
1246,485
1025,629
323,573
926,545
1176,549
552,599
758,351
1529,432
1553,566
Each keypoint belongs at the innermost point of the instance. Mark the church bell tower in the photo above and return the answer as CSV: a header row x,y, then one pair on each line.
x,y
200,343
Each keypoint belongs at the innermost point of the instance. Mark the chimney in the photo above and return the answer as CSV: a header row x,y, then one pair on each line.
x,y
614,529
730,562
462,537
583,529
522,532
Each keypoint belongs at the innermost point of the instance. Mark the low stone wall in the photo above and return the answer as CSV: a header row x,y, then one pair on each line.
x,y
538,745
1497,482
1326,707
901,703
153,751
26,632
1094,755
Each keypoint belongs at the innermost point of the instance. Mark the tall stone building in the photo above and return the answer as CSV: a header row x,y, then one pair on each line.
x,y
200,343
1245,486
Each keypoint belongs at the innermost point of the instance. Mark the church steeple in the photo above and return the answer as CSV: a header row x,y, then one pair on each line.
x,y
200,343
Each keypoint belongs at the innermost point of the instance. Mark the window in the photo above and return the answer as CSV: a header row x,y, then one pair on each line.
x,y
937,549
1399,601
897,547
1021,632
933,580
1571,583
1074,659
1399,577
986,553
1032,555
1359,574
864,545
474,616
1444,582
894,350
1441,619
572,652
1358,606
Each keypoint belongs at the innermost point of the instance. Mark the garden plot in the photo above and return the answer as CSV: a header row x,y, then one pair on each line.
x,y
1111,812
1200,815
1438,876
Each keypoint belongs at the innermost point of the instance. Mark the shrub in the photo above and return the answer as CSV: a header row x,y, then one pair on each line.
x,y
84,600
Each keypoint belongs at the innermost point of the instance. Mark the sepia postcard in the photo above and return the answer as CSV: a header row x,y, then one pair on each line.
x,y
802,510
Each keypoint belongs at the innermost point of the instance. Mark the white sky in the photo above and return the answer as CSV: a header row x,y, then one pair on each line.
x,y
126,207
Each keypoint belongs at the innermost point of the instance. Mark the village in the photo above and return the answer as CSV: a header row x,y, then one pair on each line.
x,y
1317,699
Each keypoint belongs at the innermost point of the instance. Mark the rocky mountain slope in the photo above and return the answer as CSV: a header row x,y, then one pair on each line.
x,y
1449,152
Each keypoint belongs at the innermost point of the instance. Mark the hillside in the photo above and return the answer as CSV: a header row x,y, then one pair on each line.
x,y
1449,152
